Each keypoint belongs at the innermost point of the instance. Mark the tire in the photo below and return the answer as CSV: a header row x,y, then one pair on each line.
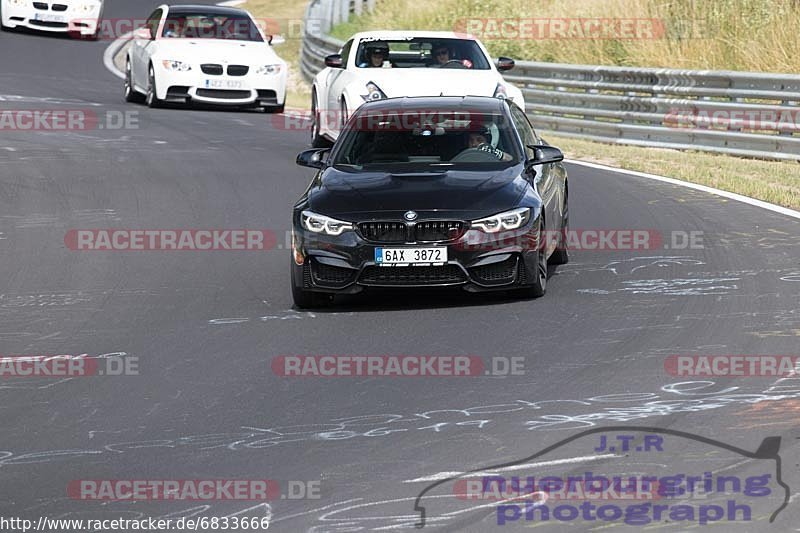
x,y
3,27
561,255
275,109
130,93
317,140
539,287
151,99
343,114
307,299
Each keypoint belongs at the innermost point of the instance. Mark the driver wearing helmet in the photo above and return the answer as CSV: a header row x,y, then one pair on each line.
x,y
376,55
480,138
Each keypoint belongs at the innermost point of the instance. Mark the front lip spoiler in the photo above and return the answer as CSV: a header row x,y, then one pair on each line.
x,y
468,281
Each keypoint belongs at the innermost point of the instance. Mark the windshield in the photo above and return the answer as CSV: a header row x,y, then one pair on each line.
x,y
424,138
421,53
211,26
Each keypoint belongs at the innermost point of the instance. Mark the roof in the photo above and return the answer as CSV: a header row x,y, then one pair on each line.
x,y
402,34
194,8
474,104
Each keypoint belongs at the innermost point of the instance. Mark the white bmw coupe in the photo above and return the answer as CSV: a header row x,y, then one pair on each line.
x,y
78,17
386,64
205,54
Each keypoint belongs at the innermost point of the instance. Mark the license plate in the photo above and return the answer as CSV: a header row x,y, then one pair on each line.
x,y
410,256
223,84
47,17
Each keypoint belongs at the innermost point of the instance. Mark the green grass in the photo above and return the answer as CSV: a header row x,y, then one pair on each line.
x,y
753,35
750,35
771,181
287,16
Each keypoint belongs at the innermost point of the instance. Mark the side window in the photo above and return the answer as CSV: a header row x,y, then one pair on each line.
x,y
346,52
153,22
524,128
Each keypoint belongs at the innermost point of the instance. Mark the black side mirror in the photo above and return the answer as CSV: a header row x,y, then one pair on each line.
x,y
312,158
544,154
505,63
334,61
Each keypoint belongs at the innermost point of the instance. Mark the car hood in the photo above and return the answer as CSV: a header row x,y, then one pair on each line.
x,y
431,81
464,194
217,51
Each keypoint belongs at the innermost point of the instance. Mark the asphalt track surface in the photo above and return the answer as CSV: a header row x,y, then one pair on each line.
x,y
205,326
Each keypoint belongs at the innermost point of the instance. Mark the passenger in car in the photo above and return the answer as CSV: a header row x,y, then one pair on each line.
x,y
377,55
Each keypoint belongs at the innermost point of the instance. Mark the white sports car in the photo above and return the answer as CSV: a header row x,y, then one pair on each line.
x,y
387,64
78,17
207,54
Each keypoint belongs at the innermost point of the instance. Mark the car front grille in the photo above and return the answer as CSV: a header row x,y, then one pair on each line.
x,y
412,275
440,230
47,24
238,70
425,231
40,5
211,69
332,276
496,273
383,231
178,91
59,7
223,94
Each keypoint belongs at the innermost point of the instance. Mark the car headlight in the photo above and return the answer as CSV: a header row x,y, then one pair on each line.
x,y
269,69
180,66
322,224
500,91
514,219
373,93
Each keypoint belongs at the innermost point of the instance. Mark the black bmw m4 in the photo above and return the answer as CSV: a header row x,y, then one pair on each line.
x,y
430,192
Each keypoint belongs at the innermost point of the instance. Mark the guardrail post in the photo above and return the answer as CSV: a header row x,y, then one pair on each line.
x,y
358,7
370,6
344,6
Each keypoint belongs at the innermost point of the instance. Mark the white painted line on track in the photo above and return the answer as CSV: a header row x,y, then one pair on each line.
x,y
111,51
447,475
725,194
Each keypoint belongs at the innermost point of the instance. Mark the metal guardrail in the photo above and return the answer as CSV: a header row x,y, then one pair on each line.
x,y
737,113
316,42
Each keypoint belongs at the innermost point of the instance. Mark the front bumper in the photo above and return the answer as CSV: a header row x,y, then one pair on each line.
x,y
66,19
193,85
477,262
